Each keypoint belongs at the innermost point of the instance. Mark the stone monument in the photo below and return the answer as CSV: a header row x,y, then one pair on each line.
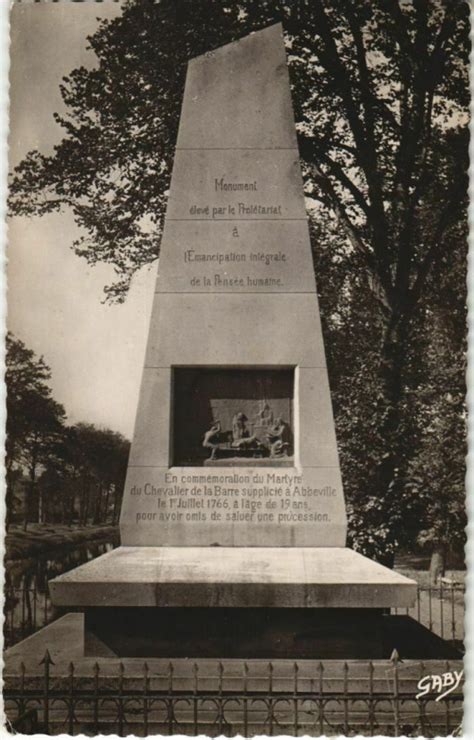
x,y
233,497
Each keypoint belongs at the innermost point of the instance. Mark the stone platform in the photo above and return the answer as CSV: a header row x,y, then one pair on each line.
x,y
322,577
285,635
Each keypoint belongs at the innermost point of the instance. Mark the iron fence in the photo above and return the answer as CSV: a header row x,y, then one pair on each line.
x,y
26,610
440,609
305,698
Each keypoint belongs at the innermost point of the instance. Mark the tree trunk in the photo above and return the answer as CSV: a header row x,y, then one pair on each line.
x,y
437,564
83,503
116,506
9,497
72,499
28,624
70,511
87,501
106,504
29,499
41,513
385,481
98,503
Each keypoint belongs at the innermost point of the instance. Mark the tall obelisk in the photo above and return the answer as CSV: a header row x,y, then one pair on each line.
x,y
235,289
233,495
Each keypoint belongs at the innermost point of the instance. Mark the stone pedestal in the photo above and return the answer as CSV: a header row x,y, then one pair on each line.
x,y
308,577
233,497
200,601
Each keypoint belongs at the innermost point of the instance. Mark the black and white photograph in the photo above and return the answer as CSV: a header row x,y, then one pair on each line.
x,y
235,368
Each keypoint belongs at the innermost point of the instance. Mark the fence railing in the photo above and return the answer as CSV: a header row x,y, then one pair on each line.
x,y
331,698
26,611
440,609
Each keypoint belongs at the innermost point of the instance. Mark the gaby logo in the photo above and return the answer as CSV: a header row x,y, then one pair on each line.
x,y
437,683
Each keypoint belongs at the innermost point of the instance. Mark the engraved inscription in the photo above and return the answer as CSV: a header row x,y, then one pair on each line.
x,y
234,209
247,498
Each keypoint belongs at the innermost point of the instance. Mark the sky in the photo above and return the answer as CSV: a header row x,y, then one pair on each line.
x,y
95,351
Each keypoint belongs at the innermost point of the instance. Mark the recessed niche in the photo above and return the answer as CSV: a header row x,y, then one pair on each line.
x,y
233,416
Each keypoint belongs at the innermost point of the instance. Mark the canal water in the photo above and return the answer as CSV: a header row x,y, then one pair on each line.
x,y
27,605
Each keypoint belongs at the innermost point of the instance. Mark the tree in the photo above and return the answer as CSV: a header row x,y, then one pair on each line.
x,y
62,462
436,472
380,94
384,158
96,467
35,422
25,376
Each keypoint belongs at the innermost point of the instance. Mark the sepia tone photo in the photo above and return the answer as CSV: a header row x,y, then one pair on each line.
x,y
235,367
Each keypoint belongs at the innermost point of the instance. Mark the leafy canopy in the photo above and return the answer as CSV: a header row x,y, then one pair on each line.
x,y
379,90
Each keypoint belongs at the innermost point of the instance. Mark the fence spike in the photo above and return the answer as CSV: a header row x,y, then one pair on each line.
x,y
246,676
345,703
453,616
221,680
346,675
422,668
70,719
96,669
47,659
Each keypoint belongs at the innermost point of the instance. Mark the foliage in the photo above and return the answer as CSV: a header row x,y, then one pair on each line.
x,y
374,84
435,475
27,379
63,464
34,419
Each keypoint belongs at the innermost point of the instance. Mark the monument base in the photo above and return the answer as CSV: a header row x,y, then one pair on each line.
x,y
276,634
244,577
235,601
272,633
